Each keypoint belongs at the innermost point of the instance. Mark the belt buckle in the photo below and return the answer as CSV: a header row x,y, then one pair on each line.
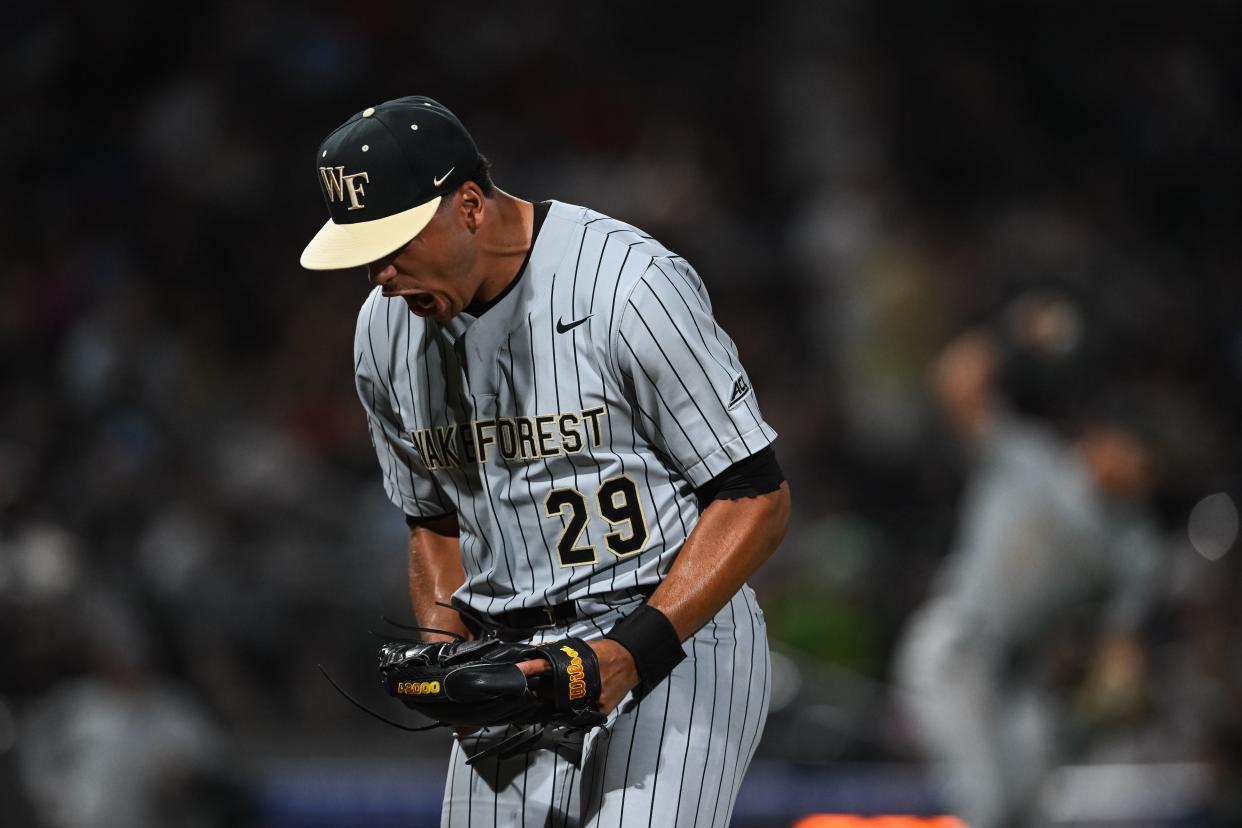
x,y
551,618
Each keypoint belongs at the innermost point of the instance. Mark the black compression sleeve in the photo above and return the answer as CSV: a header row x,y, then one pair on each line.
x,y
412,521
756,475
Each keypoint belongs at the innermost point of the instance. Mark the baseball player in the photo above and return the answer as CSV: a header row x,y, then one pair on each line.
x,y
578,452
1053,534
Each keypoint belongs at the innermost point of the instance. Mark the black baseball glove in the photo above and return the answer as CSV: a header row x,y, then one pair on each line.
x,y
473,684
478,683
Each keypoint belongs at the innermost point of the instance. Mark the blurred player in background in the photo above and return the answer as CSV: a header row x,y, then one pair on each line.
x,y
1052,541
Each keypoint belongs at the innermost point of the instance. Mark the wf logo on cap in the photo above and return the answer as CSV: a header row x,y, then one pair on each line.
x,y
338,185
418,152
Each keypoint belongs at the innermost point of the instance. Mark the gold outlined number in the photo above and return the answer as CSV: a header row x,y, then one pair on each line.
x,y
556,503
619,504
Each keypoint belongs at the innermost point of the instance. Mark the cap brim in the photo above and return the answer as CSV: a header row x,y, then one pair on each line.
x,y
338,246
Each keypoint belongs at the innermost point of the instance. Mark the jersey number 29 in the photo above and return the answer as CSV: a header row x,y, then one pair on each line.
x,y
618,502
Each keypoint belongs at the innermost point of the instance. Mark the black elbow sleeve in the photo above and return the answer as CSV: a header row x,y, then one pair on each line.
x,y
413,521
756,475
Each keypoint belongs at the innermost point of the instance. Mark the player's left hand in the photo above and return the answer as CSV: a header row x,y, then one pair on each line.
x,y
618,674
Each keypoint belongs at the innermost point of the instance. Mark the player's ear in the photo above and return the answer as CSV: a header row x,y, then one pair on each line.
x,y
471,204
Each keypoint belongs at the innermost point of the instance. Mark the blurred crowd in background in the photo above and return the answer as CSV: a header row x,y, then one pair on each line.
x,y
191,516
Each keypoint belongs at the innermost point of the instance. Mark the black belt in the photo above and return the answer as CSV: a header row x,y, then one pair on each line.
x,y
526,621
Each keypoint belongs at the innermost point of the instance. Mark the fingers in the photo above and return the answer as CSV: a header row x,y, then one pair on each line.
x,y
534,667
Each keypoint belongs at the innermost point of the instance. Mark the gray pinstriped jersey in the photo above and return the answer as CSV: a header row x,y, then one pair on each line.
x,y
569,424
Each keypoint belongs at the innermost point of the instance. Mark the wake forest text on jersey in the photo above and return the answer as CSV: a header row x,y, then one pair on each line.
x,y
516,438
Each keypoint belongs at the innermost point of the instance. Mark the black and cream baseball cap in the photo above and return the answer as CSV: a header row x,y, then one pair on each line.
x,y
383,173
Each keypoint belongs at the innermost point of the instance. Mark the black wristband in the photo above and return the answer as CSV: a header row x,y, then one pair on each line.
x,y
652,641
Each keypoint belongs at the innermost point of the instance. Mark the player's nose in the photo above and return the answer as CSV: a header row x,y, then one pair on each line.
x,y
381,273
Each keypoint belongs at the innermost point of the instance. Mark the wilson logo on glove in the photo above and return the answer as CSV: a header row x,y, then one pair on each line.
x,y
577,675
478,683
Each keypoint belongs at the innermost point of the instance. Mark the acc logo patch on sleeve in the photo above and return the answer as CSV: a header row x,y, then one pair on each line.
x,y
741,387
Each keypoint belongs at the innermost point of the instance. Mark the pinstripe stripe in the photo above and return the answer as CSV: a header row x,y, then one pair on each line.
x,y
552,798
614,318
618,224
474,783
694,708
389,436
476,536
568,800
614,570
673,495
702,368
525,772
674,371
603,390
634,564
517,518
409,375
496,792
556,384
654,507
655,783
729,717
599,263
379,376
486,485
373,423
764,698
710,351
446,818
669,408
697,283
588,803
598,794
729,350
726,344
629,723
629,756
599,472
738,764
427,338
409,466
712,725
553,565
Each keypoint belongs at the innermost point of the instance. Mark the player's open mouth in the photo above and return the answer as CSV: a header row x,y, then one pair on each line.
x,y
423,304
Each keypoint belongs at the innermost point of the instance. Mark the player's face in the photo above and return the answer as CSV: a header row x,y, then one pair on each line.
x,y
1121,465
432,271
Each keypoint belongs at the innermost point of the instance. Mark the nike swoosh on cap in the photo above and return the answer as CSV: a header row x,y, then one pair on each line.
x,y
436,182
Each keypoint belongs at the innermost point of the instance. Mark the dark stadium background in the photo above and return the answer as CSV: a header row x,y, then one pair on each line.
x,y
191,516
